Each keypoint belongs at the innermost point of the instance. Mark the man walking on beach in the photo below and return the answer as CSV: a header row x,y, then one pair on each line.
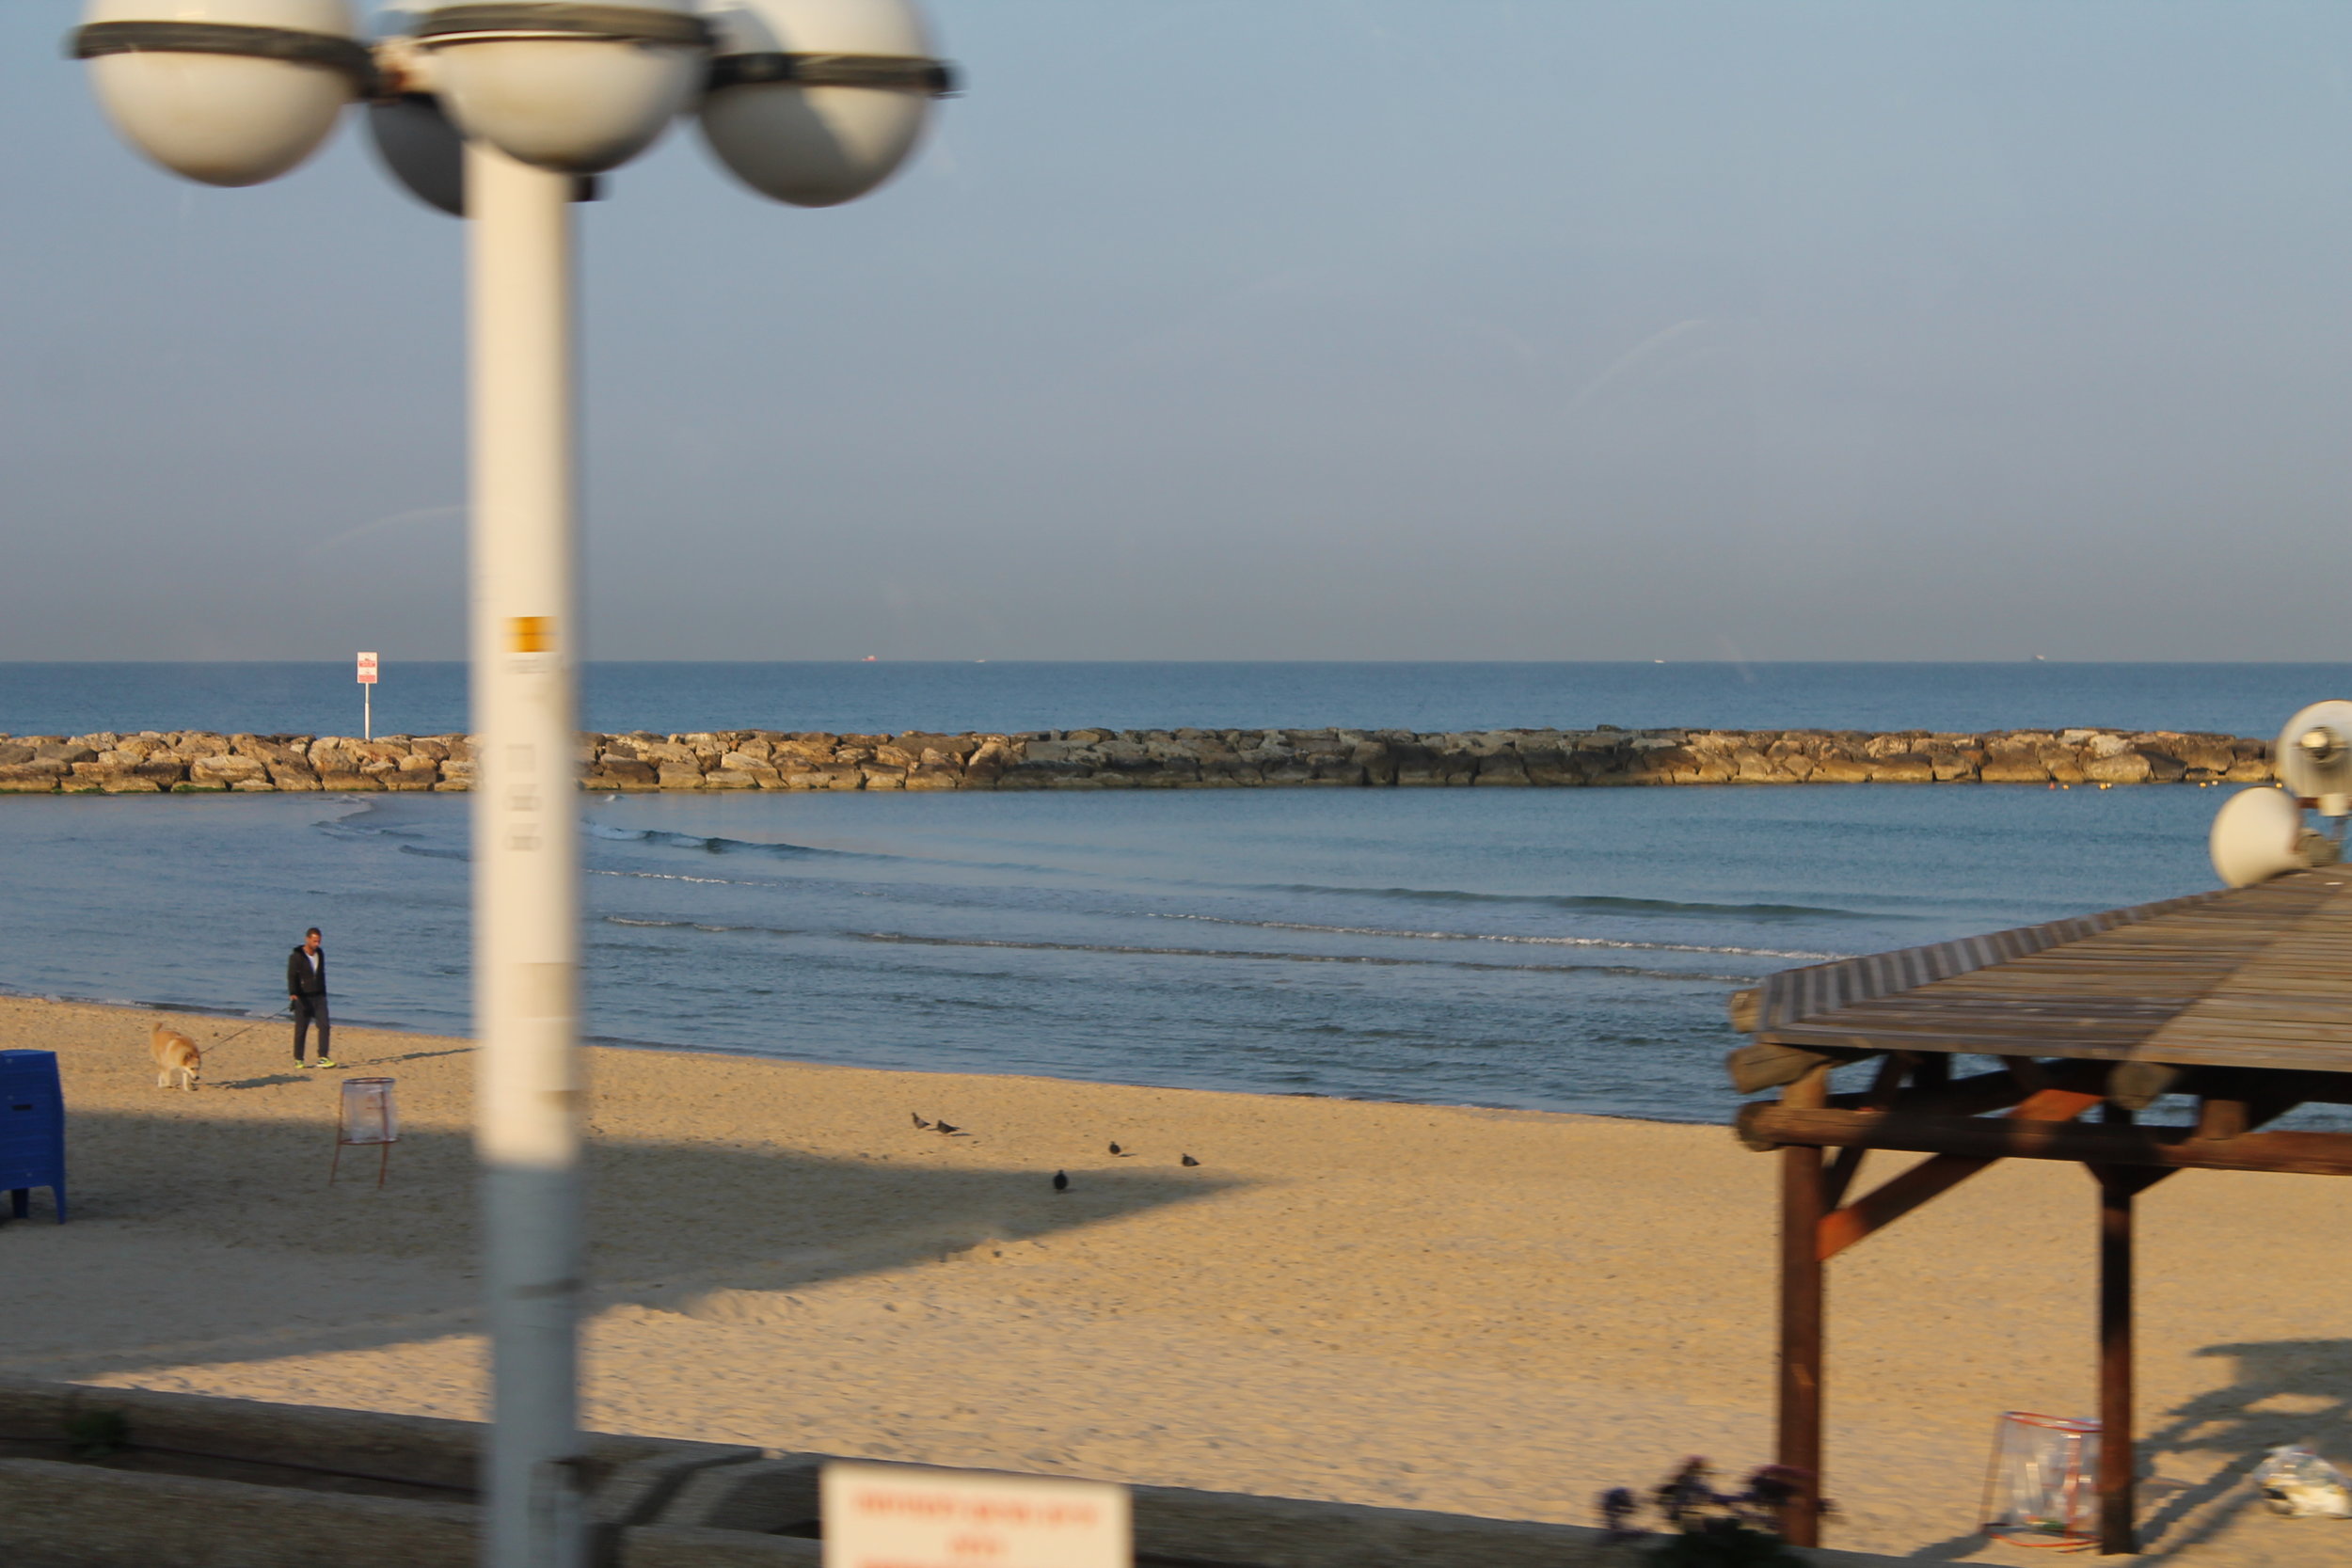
x,y
305,987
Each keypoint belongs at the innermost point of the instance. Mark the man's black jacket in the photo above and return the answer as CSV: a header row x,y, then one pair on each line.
x,y
300,980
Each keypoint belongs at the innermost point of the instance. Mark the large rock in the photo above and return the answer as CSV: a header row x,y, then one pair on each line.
x,y
2117,766
226,772
32,778
2011,765
622,773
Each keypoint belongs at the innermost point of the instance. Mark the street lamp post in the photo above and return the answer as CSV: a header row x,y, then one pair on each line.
x,y
499,112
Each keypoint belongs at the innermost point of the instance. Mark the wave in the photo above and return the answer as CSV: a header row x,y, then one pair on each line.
x,y
1611,942
1140,949
716,845
1375,961
679,877
696,926
1595,903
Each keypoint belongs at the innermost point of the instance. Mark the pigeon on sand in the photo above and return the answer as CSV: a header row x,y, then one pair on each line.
x,y
918,1121
1190,1161
1061,1181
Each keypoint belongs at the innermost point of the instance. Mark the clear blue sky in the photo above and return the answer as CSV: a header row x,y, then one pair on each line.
x,y
1281,328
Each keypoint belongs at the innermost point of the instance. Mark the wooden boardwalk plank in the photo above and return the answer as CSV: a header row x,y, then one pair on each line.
x,y
2250,977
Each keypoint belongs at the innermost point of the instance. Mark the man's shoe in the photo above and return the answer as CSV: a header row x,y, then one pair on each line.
x,y
324,1062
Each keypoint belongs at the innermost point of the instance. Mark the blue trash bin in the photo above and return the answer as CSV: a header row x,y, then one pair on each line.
x,y
32,1129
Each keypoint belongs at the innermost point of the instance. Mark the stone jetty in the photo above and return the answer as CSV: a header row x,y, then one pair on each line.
x,y
198,761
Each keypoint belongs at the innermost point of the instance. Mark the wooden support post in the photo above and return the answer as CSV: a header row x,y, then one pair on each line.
x,y
1803,1195
2116,1509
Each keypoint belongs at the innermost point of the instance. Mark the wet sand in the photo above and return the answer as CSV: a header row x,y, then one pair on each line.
x,y
1494,1312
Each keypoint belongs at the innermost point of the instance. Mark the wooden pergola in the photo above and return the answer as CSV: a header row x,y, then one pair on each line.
x,y
2240,999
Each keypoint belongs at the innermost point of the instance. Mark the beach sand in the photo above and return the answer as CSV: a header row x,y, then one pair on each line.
x,y
1490,1312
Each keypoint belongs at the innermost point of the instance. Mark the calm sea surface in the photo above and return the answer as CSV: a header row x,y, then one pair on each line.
x,y
430,699
1568,949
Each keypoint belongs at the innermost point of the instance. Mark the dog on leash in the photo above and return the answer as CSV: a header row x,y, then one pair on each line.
x,y
177,1058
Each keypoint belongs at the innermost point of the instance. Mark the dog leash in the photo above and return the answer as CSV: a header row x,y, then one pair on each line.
x,y
249,1028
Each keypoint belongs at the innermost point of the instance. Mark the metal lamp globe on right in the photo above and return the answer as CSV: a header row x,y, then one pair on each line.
x,y
818,101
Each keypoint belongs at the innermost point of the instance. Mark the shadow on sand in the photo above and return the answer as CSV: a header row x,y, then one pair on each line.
x,y
2283,1391
672,1226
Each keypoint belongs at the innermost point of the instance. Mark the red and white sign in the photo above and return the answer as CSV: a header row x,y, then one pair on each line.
x,y
367,669
910,1516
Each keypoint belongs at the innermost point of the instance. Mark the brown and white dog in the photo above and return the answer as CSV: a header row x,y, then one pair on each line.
x,y
176,1057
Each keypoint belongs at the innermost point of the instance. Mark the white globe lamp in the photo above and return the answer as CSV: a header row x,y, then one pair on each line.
x,y
572,88
229,92
818,101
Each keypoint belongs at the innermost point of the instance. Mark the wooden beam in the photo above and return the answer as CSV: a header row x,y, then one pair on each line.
x,y
1754,1069
2027,1072
1772,1125
2221,1119
1978,1092
1840,1176
1930,1179
1798,1441
2117,1524
1801,1316
2137,1086
1891,1200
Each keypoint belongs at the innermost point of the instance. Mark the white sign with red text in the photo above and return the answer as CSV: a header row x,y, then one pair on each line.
x,y
911,1516
367,669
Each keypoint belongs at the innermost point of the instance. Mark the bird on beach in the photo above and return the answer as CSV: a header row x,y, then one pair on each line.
x,y
1115,1148
918,1121
949,1129
1061,1181
1190,1161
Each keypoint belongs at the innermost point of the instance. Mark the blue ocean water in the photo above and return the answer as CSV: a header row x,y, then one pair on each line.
x,y
1556,948
430,698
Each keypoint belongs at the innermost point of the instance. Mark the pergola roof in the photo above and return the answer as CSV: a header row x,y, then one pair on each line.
x,y
2256,976
2241,1000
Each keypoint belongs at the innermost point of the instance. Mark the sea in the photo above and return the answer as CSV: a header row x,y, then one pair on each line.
x,y
1557,949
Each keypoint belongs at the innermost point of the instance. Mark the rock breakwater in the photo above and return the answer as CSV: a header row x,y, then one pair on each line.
x,y
198,761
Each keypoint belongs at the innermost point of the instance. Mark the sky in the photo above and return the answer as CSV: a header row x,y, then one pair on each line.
x,y
1267,329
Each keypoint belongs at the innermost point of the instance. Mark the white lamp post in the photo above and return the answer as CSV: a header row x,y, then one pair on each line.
x,y
812,102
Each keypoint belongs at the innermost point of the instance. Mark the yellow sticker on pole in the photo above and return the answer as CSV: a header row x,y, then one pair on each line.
x,y
533,634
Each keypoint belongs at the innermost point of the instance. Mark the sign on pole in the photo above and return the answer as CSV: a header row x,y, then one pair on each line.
x,y
911,1516
367,696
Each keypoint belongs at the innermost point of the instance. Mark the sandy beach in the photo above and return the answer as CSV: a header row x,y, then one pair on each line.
x,y
1495,1312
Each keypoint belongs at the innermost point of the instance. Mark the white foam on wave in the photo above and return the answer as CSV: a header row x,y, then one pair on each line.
x,y
676,877
1613,943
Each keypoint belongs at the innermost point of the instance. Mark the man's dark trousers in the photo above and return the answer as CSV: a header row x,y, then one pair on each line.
x,y
309,1010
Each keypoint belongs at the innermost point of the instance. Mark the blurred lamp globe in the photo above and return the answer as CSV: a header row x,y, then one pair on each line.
x,y
818,101
576,89
230,92
421,149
